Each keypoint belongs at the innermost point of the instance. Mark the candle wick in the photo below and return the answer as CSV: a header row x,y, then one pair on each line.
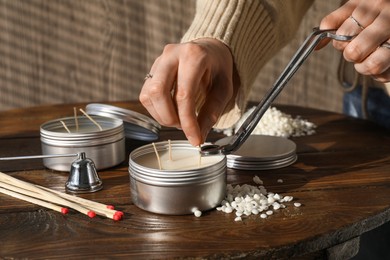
x,y
170,149
75,119
90,118
64,125
158,157
200,156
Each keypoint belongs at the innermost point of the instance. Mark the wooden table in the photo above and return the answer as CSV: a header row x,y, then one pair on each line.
x,y
341,177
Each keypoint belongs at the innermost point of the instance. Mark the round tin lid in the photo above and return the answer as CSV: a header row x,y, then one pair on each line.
x,y
262,152
137,126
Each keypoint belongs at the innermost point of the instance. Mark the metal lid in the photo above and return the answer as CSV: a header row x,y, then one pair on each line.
x,y
137,126
262,152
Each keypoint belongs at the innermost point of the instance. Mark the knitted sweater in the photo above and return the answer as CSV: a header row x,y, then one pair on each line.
x,y
254,30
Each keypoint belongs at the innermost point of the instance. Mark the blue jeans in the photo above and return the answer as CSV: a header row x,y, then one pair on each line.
x,y
378,105
373,244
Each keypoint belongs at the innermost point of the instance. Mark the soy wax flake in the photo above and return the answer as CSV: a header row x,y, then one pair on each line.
x,y
245,200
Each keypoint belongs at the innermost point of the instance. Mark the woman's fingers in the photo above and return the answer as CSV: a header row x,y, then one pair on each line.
x,y
192,80
185,81
215,103
369,22
156,94
377,64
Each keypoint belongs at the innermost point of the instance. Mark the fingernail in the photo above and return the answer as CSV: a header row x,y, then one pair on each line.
x,y
193,141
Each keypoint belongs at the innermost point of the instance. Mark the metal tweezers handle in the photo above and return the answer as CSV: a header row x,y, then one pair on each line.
x,y
297,60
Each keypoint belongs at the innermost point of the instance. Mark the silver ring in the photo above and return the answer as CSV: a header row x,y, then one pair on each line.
x,y
148,76
357,23
385,45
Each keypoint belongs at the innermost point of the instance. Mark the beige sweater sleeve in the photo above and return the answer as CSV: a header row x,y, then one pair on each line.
x,y
254,30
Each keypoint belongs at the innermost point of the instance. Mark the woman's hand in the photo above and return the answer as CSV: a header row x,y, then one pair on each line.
x,y
370,22
189,87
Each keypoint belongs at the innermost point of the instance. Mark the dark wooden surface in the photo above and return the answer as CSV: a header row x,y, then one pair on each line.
x,y
341,177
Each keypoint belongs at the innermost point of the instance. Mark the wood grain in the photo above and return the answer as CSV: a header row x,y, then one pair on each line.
x,y
341,177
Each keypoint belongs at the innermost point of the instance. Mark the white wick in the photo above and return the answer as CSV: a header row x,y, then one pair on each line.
x,y
90,118
67,129
170,149
200,157
158,157
75,119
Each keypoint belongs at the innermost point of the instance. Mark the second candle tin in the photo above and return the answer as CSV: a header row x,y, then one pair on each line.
x,y
106,147
186,182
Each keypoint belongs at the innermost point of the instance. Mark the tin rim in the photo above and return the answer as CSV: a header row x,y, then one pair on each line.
x,y
54,133
158,177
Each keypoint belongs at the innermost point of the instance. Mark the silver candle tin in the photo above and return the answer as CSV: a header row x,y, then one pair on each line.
x,y
176,192
105,147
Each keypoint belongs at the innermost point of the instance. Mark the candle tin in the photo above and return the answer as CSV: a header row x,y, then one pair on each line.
x,y
176,192
106,147
262,152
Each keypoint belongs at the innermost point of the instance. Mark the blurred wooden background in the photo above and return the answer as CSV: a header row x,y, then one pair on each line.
x,y
98,50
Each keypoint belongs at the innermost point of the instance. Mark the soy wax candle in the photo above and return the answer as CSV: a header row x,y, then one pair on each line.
x,y
181,183
102,140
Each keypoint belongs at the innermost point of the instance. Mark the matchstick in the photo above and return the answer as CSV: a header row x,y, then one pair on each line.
x,y
99,208
90,118
36,190
34,201
45,195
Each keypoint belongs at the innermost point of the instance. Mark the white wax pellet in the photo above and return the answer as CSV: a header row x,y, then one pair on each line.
x,y
277,196
277,123
197,213
246,200
238,219
263,190
262,208
297,204
257,180
228,210
271,200
276,205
